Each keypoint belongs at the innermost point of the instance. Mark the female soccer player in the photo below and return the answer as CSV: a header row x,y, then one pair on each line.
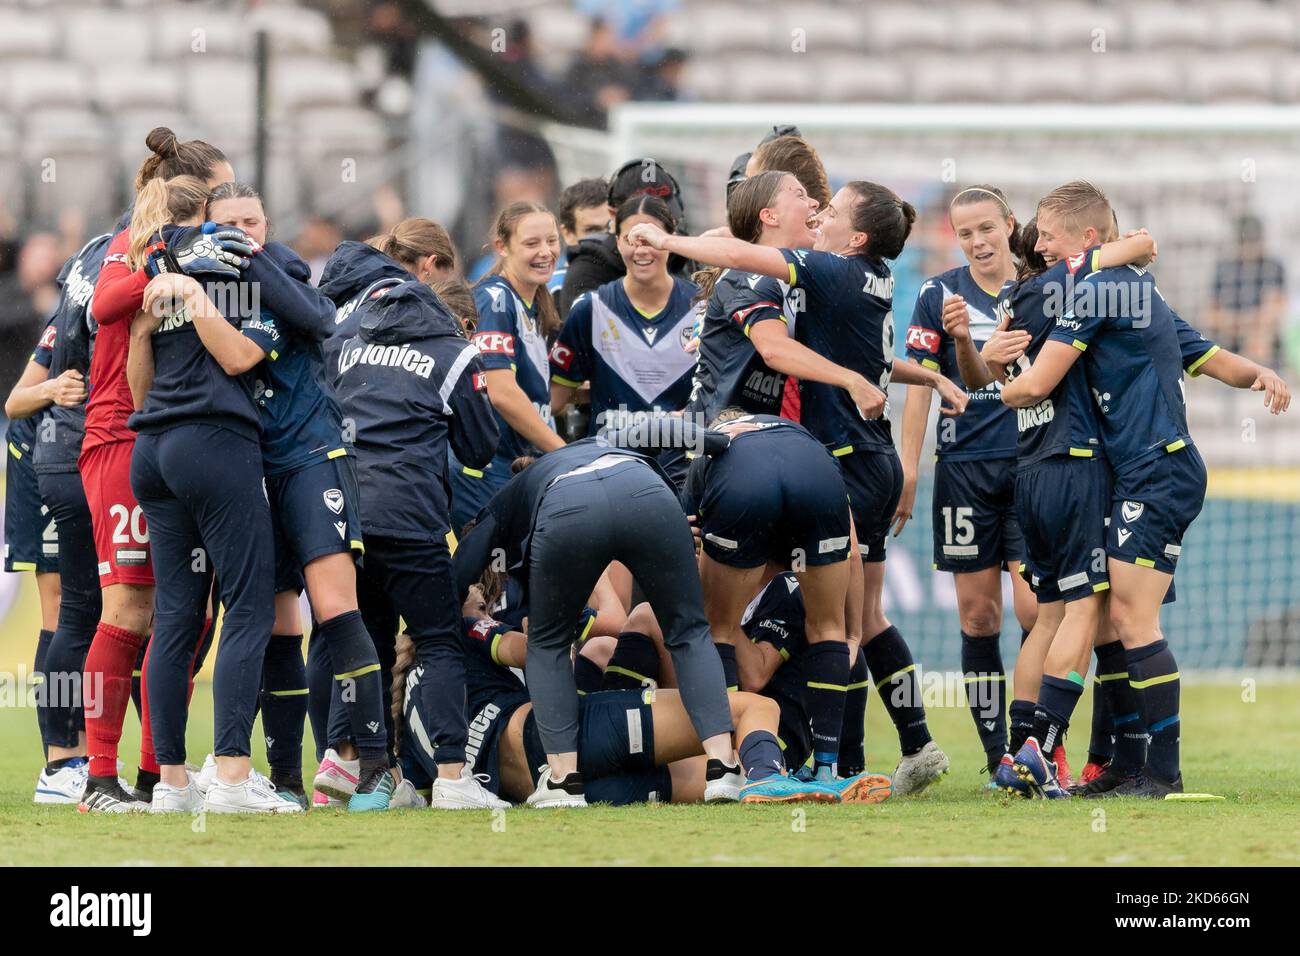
x,y
61,429
743,361
1137,351
842,295
414,387
199,415
1062,483
311,487
561,521
634,745
975,530
774,495
122,545
32,538
628,337
773,663
515,314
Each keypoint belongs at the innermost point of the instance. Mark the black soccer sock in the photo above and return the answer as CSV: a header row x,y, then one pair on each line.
x,y
826,682
38,673
730,676
853,757
1130,731
986,692
890,662
760,756
1153,673
588,678
1022,723
358,685
1111,669
320,688
284,704
136,672
635,661
1057,698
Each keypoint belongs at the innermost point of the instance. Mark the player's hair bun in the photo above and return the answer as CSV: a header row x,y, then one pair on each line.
x,y
162,142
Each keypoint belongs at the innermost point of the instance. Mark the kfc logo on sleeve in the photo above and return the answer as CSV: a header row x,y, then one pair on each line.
x,y
562,356
923,340
495,343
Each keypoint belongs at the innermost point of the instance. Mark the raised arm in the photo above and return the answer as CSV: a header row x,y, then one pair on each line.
x,y
716,251
783,354
1240,372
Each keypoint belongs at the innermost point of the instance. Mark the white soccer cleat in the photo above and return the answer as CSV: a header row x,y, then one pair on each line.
x,y
66,785
405,797
255,794
205,775
465,792
913,774
551,794
722,783
169,799
337,777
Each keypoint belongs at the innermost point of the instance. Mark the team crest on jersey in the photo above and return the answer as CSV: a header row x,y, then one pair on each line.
x,y
1131,511
686,335
334,500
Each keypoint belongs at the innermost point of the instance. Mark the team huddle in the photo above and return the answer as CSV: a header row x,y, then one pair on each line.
x,y
684,605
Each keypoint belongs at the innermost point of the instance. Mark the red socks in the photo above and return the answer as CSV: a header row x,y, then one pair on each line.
x,y
107,690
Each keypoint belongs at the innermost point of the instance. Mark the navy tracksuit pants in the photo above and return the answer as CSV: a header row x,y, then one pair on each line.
x,y
203,495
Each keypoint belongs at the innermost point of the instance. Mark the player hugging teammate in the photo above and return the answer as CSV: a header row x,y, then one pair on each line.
x,y
687,611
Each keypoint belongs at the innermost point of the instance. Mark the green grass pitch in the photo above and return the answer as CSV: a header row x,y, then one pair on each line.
x,y
1243,750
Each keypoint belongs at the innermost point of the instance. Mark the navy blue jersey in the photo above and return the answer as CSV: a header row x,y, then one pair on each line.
x,y
61,429
21,434
301,421
697,475
355,272
189,384
635,363
411,383
987,429
506,522
776,617
1135,350
1064,423
728,370
846,316
510,336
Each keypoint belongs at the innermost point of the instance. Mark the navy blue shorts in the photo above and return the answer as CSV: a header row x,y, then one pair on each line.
x,y
1062,503
1152,508
30,534
616,749
974,515
314,512
875,483
782,501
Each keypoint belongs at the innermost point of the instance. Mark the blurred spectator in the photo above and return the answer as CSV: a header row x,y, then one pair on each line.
x,y
388,28
1248,302
584,211
317,240
663,78
27,297
638,26
599,75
